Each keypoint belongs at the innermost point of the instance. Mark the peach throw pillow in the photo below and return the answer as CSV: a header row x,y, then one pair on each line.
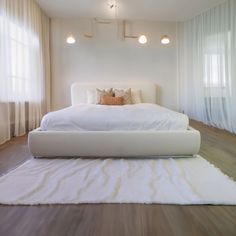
x,y
103,92
125,93
107,100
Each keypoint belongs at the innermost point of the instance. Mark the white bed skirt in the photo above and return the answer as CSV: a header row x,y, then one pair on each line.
x,y
114,144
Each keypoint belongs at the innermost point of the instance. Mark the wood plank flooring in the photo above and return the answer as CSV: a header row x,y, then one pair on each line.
x,y
218,147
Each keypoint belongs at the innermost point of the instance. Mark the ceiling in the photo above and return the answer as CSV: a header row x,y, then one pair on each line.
x,y
161,10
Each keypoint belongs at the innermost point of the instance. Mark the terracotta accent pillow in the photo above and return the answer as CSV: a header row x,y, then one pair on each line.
x,y
103,92
108,100
126,94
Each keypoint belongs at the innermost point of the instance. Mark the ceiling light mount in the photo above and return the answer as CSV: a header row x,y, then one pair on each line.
x,y
112,4
102,21
141,39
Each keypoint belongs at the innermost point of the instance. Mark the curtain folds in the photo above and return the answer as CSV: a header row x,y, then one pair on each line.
x,y
24,67
207,71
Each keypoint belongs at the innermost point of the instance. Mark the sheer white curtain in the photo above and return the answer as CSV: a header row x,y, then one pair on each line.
x,y
207,66
24,67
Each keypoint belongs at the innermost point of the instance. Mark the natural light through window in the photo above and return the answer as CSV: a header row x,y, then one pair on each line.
x,y
216,74
22,53
214,70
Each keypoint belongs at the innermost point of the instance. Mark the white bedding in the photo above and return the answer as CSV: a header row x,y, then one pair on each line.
x,y
90,117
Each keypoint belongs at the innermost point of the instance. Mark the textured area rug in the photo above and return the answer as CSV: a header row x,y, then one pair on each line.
x,y
167,181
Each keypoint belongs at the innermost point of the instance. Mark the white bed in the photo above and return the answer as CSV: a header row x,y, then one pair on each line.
x,y
134,117
116,131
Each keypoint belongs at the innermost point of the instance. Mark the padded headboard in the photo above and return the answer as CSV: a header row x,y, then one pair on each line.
x,y
79,90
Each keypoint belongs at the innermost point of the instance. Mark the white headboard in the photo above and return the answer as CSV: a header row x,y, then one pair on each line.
x,y
79,90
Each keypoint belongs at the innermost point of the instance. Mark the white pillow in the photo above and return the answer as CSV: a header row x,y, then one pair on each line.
x,y
92,96
136,96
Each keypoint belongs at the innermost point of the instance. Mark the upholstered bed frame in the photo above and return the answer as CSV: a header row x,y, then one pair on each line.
x,y
113,143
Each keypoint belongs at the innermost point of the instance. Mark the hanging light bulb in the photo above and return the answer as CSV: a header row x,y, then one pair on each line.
x,y
70,40
165,39
142,39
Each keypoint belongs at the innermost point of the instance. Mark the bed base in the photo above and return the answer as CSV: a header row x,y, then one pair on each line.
x,y
114,143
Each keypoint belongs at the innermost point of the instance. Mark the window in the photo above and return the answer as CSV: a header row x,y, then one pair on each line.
x,y
22,49
217,49
214,71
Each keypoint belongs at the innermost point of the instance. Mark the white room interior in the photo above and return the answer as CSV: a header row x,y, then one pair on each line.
x,y
117,117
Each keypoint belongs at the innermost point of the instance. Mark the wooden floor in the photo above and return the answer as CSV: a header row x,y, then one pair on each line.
x,y
218,147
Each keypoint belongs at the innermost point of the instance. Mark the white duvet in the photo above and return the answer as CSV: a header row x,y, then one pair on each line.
x,y
90,117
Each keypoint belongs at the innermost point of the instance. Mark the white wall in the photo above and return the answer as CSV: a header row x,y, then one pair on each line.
x,y
106,57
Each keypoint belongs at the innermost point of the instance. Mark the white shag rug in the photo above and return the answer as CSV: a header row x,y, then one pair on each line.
x,y
71,181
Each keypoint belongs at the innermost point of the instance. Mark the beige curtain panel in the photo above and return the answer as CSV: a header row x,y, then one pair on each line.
x,y
24,67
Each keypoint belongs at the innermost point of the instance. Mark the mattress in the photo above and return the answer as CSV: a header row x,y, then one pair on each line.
x,y
91,117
